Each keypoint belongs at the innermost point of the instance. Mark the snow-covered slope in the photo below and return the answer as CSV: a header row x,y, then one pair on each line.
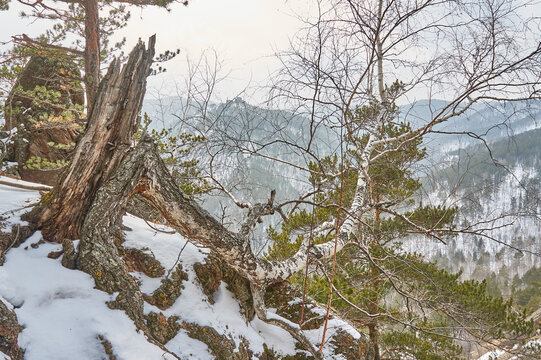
x,y
503,185
64,317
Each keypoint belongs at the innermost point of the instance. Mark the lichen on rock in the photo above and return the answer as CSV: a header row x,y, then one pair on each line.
x,y
9,332
138,260
213,271
169,290
162,328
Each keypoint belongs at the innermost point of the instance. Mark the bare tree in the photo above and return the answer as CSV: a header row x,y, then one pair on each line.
x,y
350,56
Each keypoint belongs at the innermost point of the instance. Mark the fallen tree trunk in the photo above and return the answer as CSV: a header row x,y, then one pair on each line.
x,y
143,172
90,198
101,156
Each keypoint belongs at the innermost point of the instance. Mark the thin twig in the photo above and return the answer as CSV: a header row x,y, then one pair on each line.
x,y
178,259
162,231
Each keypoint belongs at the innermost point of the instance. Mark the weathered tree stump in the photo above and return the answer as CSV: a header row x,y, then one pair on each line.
x,y
112,121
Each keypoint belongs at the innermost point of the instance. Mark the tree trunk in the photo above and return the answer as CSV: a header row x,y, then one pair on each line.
x,y
92,51
143,172
90,198
112,121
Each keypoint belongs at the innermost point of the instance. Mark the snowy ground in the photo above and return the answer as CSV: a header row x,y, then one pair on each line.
x,y
63,315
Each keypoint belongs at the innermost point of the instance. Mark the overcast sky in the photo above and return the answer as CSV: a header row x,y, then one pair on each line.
x,y
244,33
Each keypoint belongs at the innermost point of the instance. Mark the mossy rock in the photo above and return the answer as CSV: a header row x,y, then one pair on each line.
x,y
9,332
46,106
138,260
213,271
18,235
56,75
162,328
209,275
270,354
241,288
169,290
221,346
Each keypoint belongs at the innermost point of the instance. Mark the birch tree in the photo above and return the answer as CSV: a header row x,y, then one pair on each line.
x,y
349,56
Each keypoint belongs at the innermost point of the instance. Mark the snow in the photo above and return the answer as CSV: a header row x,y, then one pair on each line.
x,y
272,315
186,347
523,233
61,312
491,355
192,305
15,202
5,302
64,316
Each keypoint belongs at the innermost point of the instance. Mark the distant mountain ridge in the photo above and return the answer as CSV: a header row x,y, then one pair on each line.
x,y
483,183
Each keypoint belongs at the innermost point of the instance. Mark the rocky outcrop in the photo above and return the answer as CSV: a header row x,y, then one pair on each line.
x,y
13,239
211,274
46,108
137,260
283,298
169,290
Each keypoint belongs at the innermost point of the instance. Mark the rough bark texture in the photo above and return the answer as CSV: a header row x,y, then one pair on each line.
x,y
92,50
90,199
111,124
143,172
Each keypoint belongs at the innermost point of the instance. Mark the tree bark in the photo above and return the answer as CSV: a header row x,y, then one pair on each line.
x,y
92,51
90,198
112,121
143,172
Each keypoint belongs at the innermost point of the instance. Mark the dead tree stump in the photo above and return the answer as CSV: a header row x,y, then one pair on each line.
x,y
112,122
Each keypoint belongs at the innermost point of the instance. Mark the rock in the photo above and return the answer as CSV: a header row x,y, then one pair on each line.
x,y
107,347
55,254
221,346
169,291
12,240
137,260
40,73
287,302
9,332
46,106
162,328
282,297
210,275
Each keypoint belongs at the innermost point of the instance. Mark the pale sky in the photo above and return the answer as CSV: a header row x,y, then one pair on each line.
x,y
244,33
